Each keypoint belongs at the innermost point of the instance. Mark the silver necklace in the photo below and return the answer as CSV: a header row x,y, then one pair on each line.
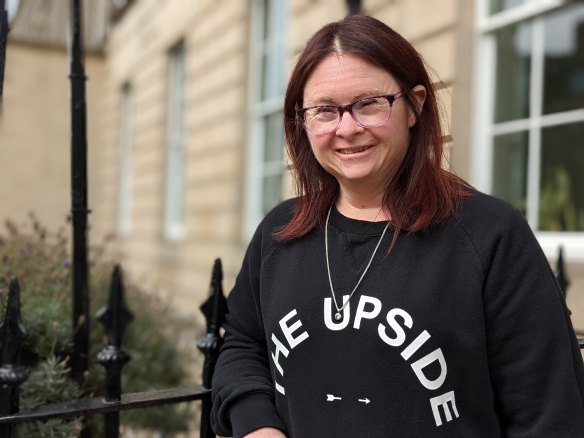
x,y
328,268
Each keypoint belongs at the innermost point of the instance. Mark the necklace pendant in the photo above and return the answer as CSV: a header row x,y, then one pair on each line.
x,y
338,316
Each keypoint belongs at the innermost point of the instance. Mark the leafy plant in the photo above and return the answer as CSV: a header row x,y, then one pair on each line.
x,y
40,260
49,382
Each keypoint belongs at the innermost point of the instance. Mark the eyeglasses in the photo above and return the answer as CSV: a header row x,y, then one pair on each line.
x,y
369,112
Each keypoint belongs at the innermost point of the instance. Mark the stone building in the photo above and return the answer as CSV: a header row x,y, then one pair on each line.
x,y
186,136
35,117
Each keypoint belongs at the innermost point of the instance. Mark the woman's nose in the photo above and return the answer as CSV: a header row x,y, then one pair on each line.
x,y
348,125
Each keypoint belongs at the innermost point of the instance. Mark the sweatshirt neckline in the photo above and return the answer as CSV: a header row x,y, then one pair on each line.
x,y
356,226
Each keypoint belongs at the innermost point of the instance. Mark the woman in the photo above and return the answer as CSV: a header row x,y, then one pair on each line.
x,y
390,298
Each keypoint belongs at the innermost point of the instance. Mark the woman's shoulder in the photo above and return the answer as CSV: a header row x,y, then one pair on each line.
x,y
487,218
482,208
264,236
278,216
489,226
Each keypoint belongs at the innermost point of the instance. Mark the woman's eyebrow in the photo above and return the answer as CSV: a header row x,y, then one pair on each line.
x,y
327,100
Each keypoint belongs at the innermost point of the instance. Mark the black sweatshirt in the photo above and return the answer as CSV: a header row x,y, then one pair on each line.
x,y
460,331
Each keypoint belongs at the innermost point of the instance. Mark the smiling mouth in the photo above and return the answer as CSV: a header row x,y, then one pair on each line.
x,y
353,150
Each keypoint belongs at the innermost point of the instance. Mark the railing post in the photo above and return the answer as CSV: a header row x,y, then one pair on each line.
x,y
214,309
12,332
354,7
114,317
3,38
79,211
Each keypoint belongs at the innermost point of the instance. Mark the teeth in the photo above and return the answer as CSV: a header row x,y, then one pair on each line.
x,y
352,151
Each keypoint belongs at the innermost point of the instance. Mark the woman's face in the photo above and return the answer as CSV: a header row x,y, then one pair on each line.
x,y
359,158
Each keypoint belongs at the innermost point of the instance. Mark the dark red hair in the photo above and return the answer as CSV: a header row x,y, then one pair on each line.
x,y
422,193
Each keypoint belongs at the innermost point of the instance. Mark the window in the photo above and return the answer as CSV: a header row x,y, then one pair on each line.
x,y
265,164
530,113
175,139
126,170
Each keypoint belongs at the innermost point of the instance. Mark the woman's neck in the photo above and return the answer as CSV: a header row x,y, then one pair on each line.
x,y
368,208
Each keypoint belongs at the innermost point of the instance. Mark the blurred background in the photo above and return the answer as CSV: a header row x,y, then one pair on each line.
x,y
185,132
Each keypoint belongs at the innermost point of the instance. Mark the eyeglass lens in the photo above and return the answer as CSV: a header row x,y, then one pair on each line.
x,y
368,113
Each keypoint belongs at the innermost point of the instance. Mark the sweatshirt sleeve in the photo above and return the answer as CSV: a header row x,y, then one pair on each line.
x,y
535,364
243,388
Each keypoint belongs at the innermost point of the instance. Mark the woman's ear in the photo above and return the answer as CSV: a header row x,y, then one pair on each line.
x,y
419,95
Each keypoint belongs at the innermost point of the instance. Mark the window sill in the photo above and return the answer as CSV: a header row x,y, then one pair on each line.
x,y
571,242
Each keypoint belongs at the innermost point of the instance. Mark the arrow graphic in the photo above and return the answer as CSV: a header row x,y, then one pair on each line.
x,y
330,398
365,400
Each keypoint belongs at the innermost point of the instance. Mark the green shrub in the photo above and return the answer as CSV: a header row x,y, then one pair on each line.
x,y
40,260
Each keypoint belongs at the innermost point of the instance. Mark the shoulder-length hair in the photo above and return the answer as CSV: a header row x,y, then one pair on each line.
x,y
422,193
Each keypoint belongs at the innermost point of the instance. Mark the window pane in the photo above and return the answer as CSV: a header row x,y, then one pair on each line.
x,y
268,11
564,60
175,139
512,75
272,192
273,51
126,171
271,72
266,74
274,17
562,178
274,136
510,169
267,141
496,6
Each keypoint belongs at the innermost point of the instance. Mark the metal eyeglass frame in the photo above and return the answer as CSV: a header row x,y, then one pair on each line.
x,y
391,98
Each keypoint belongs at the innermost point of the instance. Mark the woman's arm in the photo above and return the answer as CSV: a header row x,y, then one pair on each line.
x,y
536,366
243,388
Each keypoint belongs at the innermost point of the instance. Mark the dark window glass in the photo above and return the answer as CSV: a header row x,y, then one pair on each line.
x,y
274,137
562,178
513,65
272,195
564,60
510,168
496,6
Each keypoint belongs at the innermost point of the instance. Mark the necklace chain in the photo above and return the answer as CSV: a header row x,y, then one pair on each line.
x,y
328,268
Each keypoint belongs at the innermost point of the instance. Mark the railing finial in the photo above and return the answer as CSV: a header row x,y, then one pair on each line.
x,y
12,333
214,309
560,272
116,316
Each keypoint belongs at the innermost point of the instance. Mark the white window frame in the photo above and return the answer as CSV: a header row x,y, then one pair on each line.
x,y
176,140
485,129
126,175
259,110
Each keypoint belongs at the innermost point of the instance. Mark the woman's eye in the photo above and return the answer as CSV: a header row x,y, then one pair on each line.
x,y
325,112
371,103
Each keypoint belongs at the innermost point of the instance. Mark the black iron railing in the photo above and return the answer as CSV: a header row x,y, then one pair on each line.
x,y
114,316
79,211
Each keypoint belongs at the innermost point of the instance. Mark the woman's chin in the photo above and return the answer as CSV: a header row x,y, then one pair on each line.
x,y
356,176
